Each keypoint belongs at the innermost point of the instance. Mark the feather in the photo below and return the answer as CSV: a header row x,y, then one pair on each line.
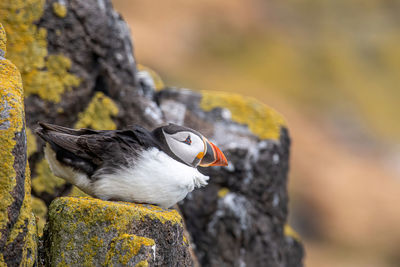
x,y
87,150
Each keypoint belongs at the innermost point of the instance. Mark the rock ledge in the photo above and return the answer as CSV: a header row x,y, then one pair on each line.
x,y
92,232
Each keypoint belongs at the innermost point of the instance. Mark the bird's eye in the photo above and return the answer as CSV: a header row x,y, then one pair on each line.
x,y
188,141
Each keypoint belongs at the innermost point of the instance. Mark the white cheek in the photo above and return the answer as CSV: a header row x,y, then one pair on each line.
x,y
185,152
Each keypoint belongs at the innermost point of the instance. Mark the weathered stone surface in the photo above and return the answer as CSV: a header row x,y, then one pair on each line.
x,y
92,232
97,42
70,53
79,70
17,223
239,217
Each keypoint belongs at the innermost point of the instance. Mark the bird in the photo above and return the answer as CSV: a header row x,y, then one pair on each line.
x,y
135,165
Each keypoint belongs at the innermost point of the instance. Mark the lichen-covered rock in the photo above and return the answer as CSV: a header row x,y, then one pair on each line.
x,y
18,232
76,56
39,208
45,75
92,232
239,218
130,250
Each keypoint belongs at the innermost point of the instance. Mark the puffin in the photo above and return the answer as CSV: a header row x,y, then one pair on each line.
x,y
135,165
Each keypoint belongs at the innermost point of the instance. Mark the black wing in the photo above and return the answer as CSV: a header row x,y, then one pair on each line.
x,y
88,150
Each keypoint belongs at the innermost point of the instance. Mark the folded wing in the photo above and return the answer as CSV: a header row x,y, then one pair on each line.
x,y
87,150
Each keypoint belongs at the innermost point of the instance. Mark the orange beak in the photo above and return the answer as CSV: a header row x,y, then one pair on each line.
x,y
213,156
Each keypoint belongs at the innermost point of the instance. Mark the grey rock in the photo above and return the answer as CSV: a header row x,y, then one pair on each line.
x,y
239,218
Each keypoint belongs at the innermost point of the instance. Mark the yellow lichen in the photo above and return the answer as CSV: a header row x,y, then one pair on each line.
x,y
59,9
75,222
263,121
90,250
29,253
98,114
31,142
107,210
223,192
288,231
138,242
158,82
26,44
56,76
142,264
185,241
128,246
43,75
39,208
45,181
12,122
76,192
63,262
3,42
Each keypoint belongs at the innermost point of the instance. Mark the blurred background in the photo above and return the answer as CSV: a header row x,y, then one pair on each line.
x,y
332,68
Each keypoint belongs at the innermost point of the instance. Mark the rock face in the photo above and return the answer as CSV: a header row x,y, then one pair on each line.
x,y
92,232
239,218
17,224
78,70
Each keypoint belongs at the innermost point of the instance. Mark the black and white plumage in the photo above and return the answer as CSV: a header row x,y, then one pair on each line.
x,y
135,165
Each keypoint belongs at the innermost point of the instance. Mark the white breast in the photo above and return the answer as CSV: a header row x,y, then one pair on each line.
x,y
155,178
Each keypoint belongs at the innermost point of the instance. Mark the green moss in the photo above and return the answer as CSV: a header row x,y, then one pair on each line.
x,y
45,181
98,114
59,9
263,121
43,75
